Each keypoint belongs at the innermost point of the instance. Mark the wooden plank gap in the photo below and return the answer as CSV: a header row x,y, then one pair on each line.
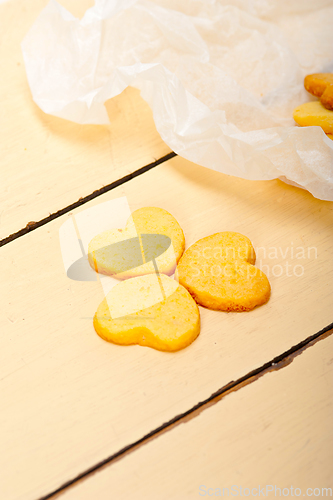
x,y
275,364
81,201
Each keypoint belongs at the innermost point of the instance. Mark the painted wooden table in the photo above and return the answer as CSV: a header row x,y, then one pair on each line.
x,y
245,410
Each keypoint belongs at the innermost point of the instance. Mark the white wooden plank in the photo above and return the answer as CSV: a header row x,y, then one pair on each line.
x,y
273,438
69,399
48,163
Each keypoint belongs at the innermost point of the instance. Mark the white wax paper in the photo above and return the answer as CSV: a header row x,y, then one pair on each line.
x,y
222,77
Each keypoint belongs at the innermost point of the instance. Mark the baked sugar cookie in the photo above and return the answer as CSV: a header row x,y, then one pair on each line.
x,y
321,85
150,311
151,240
314,113
327,98
218,272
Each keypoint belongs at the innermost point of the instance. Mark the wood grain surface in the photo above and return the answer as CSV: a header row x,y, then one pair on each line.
x,y
274,434
47,163
70,400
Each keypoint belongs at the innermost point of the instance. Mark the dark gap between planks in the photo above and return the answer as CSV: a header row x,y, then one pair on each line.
x,y
34,225
275,364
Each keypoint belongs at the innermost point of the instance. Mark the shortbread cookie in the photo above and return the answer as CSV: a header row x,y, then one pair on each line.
x,y
330,136
321,85
150,311
218,272
314,113
327,98
152,239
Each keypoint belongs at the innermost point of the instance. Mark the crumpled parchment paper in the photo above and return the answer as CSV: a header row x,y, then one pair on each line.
x,y
222,77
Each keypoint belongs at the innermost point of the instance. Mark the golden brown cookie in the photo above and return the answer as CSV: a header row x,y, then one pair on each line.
x,y
314,113
151,239
327,98
150,311
321,85
218,272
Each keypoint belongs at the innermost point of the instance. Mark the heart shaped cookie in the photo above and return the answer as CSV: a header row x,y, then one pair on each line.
x,y
151,241
321,85
151,310
314,113
218,272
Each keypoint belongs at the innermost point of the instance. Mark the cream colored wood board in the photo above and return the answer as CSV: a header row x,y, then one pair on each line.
x,y
47,163
70,400
273,438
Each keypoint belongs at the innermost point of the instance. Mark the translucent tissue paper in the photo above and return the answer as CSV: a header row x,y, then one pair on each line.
x,y
222,77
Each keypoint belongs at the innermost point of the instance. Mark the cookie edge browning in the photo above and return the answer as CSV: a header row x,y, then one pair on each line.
x,y
321,85
315,83
209,301
154,342
327,97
